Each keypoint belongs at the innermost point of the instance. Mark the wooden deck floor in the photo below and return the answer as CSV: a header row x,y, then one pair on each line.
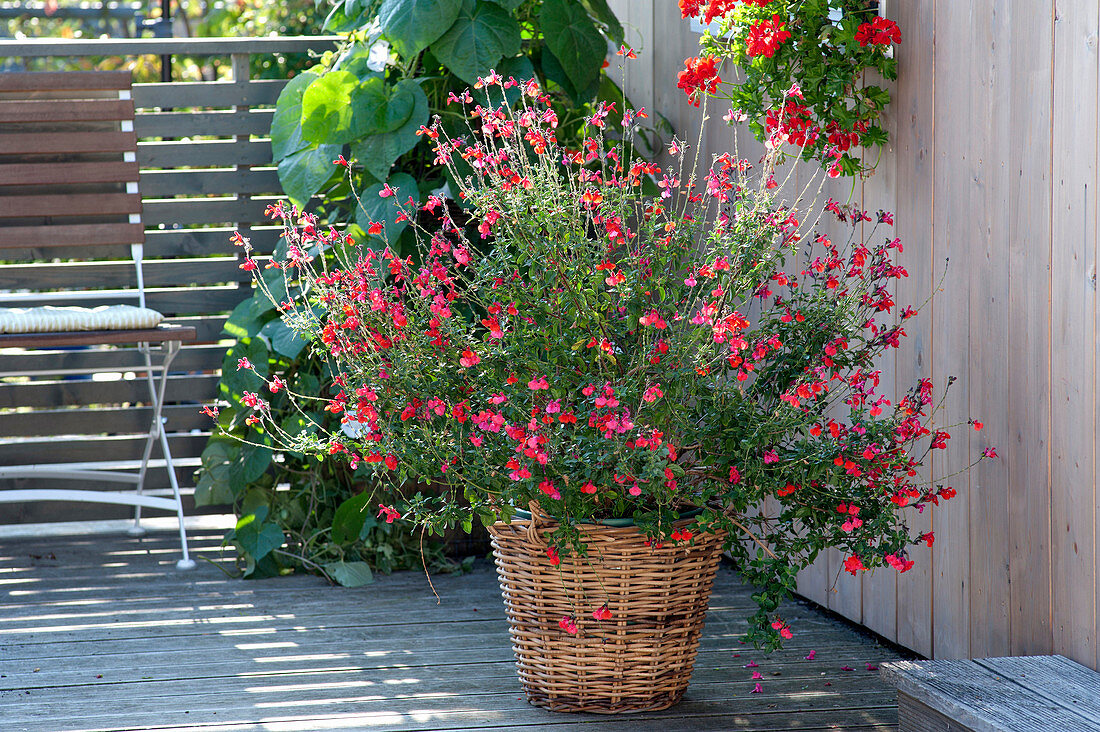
x,y
101,633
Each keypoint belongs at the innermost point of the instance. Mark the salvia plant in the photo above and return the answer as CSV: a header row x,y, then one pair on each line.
x,y
824,49
613,353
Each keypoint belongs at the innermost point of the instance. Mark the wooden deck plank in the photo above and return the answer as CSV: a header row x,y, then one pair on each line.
x,y
99,632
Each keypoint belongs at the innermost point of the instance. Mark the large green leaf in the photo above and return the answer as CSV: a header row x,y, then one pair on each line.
x,y
555,73
244,321
381,107
373,208
305,172
412,25
327,108
282,339
508,4
350,574
351,516
602,12
378,152
286,124
214,486
482,34
574,40
252,463
256,536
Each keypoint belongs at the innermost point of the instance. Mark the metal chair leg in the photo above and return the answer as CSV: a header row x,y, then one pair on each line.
x,y
156,431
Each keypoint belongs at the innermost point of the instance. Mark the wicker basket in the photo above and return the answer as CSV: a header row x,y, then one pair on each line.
x,y
639,660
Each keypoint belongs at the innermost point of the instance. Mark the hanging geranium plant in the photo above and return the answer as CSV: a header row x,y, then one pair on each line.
x,y
801,73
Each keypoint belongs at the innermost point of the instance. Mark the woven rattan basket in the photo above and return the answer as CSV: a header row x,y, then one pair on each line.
x,y
641,659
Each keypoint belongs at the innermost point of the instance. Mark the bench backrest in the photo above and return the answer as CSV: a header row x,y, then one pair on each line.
x,y
69,181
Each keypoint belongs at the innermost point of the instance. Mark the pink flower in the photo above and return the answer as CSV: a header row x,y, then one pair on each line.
x,y
756,675
553,407
469,359
751,664
652,318
498,399
735,474
539,383
243,363
872,667
635,490
653,393
770,457
548,488
389,512
758,689
568,624
602,613
810,655
552,554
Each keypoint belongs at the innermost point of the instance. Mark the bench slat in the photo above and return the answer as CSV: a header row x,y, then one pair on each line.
x,y
70,235
65,110
96,337
65,80
1057,678
30,174
980,699
74,204
54,143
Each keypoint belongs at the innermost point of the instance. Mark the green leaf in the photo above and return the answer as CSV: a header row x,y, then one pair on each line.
x,y
251,464
350,574
286,124
256,352
256,537
482,34
374,208
380,107
508,4
245,320
215,486
602,12
305,172
378,152
553,70
327,108
282,339
413,25
574,40
350,517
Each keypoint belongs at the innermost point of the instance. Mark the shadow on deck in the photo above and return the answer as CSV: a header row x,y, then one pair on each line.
x,y
101,633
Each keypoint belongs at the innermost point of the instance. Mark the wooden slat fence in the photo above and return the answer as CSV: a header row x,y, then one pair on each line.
x,y
993,163
205,171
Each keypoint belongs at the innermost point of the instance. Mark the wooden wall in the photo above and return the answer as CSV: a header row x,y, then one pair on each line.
x,y
992,164
205,172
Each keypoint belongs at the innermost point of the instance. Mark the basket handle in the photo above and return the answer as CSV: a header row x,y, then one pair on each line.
x,y
533,536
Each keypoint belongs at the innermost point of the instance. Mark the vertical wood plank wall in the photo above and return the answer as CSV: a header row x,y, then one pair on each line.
x,y
993,164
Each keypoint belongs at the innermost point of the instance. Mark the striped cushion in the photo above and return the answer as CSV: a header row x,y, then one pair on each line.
x,y
50,319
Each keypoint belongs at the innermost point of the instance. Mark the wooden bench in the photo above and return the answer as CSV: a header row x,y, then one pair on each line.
x,y
1013,694
69,193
